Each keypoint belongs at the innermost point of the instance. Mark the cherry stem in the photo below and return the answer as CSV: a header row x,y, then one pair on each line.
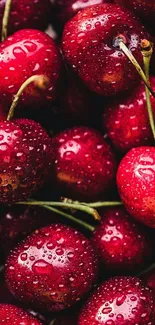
x,y
40,81
71,218
104,204
130,56
88,208
94,204
147,270
6,20
76,206
147,50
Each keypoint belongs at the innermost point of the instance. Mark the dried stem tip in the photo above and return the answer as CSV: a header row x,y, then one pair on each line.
x,y
41,82
146,45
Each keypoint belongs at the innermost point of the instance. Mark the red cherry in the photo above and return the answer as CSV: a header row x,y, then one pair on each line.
x,y
119,301
10,314
91,47
84,165
123,244
26,14
136,183
126,119
25,152
52,269
28,52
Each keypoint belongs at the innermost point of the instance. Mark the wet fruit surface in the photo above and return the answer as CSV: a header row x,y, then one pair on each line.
x,y
25,151
83,163
126,119
119,301
52,269
23,54
136,183
123,244
10,314
90,47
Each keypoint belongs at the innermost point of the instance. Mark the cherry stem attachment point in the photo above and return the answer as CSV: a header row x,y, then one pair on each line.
x,y
147,50
130,56
71,218
6,20
40,81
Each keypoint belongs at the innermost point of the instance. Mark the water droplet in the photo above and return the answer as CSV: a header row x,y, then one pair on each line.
x,y
42,267
23,257
106,310
120,300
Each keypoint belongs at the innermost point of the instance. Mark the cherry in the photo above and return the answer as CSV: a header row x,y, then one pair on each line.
x,y
119,301
16,222
10,314
28,52
83,163
52,269
26,14
123,244
65,10
145,9
136,183
126,119
25,151
91,47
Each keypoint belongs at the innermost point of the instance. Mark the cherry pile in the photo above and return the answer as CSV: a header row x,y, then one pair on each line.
x,y
77,162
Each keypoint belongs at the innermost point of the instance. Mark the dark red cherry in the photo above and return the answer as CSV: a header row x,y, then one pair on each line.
x,y
90,46
83,163
52,269
136,183
119,301
126,120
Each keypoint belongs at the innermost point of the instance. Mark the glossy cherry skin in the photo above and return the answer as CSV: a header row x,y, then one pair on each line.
x,y
25,53
145,9
119,301
136,184
126,120
56,266
83,163
25,153
26,14
90,47
10,314
122,243
65,10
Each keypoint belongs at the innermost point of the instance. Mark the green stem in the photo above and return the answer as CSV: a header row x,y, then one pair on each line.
x,y
147,51
145,271
6,19
76,206
103,204
40,81
71,218
130,56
